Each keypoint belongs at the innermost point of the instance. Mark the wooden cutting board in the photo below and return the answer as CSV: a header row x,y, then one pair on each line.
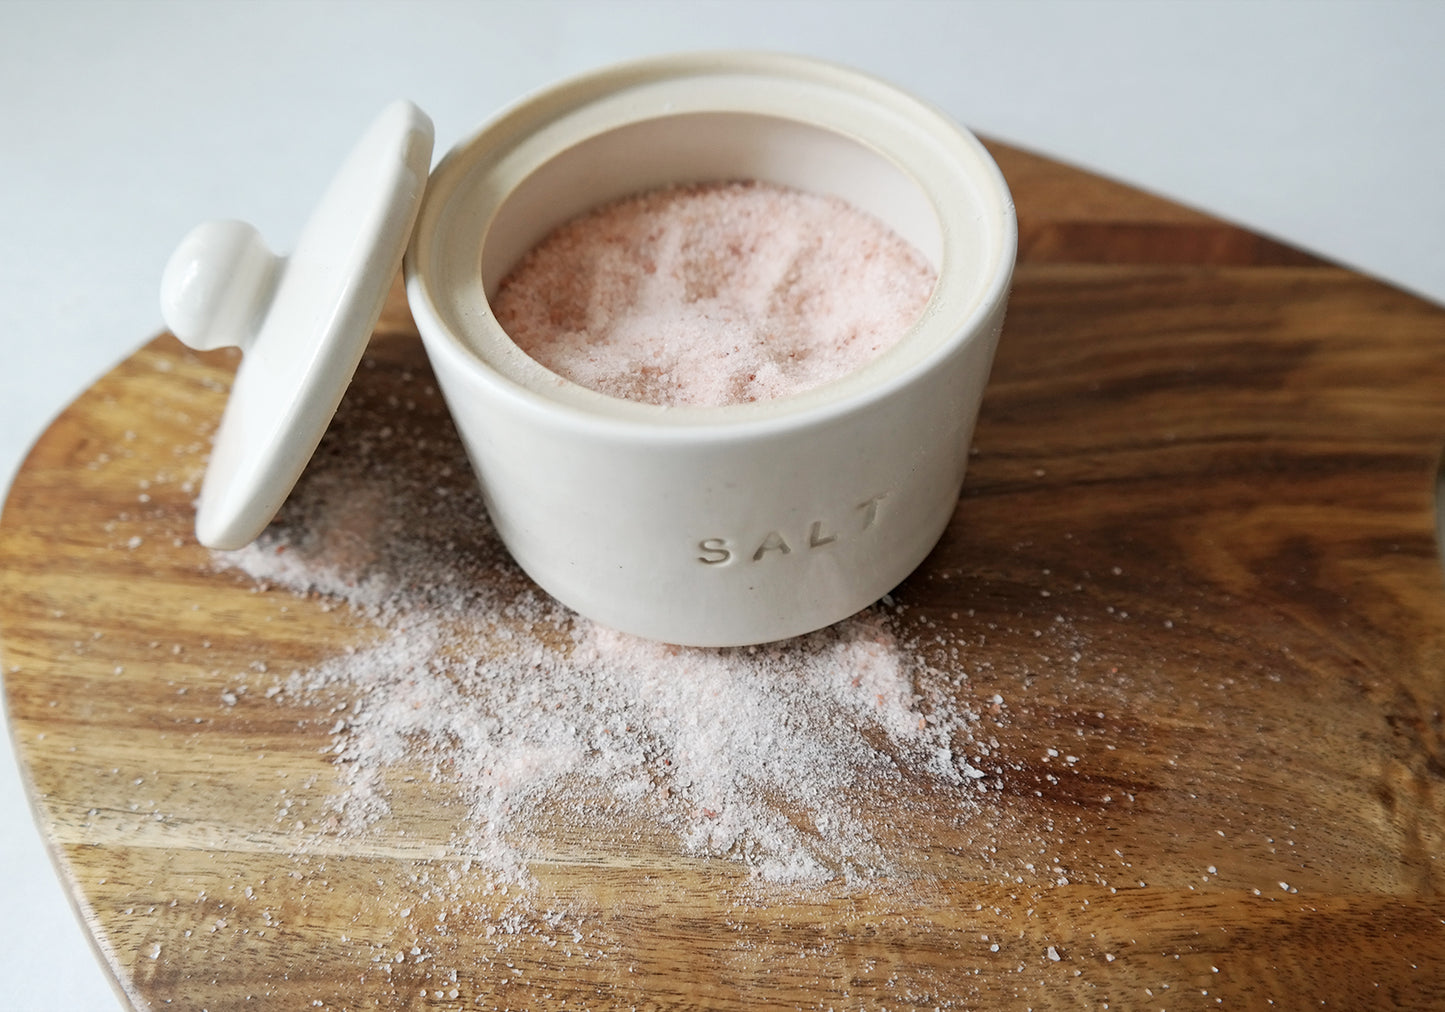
x,y
1194,568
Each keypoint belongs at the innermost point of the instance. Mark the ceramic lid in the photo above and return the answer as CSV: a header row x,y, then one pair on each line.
x,y
302,321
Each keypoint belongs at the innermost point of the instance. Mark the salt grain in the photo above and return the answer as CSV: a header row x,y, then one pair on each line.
x,y
549,727
714,294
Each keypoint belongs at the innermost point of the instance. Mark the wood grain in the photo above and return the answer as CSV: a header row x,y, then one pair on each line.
x,y
1196,546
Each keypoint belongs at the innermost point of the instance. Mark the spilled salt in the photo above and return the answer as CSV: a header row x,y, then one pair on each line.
x,y
714,294
548,731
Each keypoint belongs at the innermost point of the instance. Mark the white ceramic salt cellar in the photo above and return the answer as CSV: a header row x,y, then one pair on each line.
x,y
706,526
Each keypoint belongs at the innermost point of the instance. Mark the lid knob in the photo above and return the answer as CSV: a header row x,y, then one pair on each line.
x,y
217,285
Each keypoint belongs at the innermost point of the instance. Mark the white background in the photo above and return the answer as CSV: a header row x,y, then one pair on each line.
x,y
123,124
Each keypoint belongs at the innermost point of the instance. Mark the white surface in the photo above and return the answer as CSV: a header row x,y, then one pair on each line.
x,y
124,124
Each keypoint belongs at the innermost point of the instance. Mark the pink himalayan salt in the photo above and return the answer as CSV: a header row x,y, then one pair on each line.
x,y
714,294
544,727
